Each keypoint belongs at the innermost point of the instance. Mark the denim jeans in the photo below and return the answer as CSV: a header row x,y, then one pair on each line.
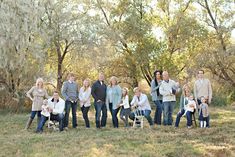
x,y
146,114
125,113
189,118
58,118
111,108
167,112
178,117
114,118
158,112
68,105
208,119
100,107
85,116
33,114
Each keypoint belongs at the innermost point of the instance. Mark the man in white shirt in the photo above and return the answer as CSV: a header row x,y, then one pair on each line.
x,y
56,109
168,90
140,101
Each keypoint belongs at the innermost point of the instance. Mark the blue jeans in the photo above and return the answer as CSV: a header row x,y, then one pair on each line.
x,y
85,116
43,120
146,114
158,112
100,107
179,115
168,108
68,105
189,118
125,113
114,118
208,119
33,114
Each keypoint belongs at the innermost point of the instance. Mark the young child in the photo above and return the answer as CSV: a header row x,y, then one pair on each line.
x,y
45,109
125,111
191,105
203,112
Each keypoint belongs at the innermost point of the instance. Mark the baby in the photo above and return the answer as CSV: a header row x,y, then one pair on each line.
x,y
45,108
203,112
191,106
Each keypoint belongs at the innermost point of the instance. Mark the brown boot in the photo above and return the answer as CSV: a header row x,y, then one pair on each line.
x,y
29,122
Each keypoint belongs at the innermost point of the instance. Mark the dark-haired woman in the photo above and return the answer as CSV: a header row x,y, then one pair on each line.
x,y
156,97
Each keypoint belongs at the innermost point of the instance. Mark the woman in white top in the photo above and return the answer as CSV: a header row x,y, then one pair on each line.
x,y
126,110
85,103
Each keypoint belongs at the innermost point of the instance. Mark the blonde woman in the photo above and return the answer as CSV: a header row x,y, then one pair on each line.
x,y
113,99
85,103
37,94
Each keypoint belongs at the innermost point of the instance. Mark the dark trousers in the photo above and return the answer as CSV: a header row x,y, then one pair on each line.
x,y
208,119
68,105
111,108
58,117
158,112
33,114
178,117
100,107
124,115
85,115
114,117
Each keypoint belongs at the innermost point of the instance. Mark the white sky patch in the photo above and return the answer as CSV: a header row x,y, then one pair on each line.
x,y
158,33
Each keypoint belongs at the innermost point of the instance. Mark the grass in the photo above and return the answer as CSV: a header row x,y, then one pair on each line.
x,y
219,140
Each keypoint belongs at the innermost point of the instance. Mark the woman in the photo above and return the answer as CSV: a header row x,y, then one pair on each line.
x,y
126,110
113,99
85,103
37,94
183,103
156,97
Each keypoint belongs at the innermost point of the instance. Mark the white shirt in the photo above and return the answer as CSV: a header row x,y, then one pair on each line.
x,y
191,102
57,107
84,97
125,102
165,90
142,102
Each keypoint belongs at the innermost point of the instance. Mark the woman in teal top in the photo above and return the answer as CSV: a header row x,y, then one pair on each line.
x,y
113,99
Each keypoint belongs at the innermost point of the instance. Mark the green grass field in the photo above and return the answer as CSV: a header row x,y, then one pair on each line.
x,y
219,140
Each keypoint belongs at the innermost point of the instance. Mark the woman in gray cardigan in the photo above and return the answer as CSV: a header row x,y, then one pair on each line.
x,y
113,99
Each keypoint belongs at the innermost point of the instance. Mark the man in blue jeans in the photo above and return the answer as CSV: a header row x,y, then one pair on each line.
x,y
56,109
71,95
98,91
140,101
168,90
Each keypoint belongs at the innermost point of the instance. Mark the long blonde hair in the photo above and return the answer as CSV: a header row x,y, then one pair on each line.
x,y
84,87
184,89
38,81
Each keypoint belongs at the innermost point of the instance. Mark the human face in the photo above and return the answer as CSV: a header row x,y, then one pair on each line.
x,y
40,84
86,83
124,92
165,75
101,77
113,82
71,78
200,74
203,100
137,93
191,97
56,96
158,75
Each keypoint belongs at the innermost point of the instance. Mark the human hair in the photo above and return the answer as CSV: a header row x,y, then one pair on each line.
x,y
125,89
113,78
70,75
155,79
184,89
38,81
55,91
84,87
201,71
136,89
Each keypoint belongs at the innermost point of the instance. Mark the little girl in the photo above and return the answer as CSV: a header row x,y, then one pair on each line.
x,y
203,113
125,111
45,109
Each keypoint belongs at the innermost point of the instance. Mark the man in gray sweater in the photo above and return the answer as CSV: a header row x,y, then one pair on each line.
x,y
70,93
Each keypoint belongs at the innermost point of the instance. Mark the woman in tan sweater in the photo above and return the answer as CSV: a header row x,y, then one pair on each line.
x,y
37,94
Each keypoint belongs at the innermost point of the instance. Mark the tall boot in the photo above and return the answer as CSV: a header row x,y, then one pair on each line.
x,y
29,122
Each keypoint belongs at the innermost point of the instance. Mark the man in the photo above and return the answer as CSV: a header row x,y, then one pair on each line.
x,y
202,88
70,93
56,109
98,91
140,101
168,90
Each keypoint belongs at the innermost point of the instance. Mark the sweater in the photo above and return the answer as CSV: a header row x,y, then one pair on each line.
x,y
84,97
114,96
57,107
70,91
203,88
154,89
166,90
98,91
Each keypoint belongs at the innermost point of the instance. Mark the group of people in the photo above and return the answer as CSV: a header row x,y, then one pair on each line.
x,y
114,98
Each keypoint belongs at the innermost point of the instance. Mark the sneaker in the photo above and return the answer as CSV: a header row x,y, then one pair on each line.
x,y
189,127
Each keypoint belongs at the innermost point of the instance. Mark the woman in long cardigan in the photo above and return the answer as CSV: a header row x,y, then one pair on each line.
x,y
37,94
113,99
